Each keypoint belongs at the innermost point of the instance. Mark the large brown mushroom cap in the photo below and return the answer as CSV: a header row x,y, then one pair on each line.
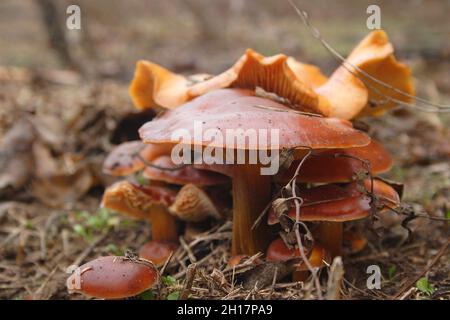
x,y
240,109
113,278
338,204
165,170
340,165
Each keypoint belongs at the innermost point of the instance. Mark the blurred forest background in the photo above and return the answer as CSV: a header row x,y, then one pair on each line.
x,y
72,86
209,35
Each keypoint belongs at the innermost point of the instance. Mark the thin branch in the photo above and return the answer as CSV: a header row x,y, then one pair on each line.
x,y
427,106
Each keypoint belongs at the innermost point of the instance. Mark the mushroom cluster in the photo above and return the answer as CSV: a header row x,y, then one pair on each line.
x,y
170,197
327,172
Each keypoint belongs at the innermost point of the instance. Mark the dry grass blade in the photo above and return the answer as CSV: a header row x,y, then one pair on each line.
x,y
412,282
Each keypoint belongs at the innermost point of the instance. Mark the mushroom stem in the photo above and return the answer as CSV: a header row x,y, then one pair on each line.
x,y
163,224
330,234
251,193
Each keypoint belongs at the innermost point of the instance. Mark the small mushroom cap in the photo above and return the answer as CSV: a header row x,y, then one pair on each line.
x,y
113,277
135,200
278,251
226,109
339,204
157,251
194,204
340,165
124,159
182,175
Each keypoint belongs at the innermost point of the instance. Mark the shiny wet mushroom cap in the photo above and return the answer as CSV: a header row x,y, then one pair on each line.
x,y
340,165
331,205
336,203
226,109
113,277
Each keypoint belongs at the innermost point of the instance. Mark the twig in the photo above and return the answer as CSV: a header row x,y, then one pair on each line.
x,y
424,271
335,279
188,250
274,281
190,275
163,269
199,262
298,205
161,272
88,250
44,283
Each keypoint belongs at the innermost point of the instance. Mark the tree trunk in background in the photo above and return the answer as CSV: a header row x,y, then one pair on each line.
x,y
55,25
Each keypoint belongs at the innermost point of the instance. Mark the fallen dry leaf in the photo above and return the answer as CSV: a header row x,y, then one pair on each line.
x,y
16,162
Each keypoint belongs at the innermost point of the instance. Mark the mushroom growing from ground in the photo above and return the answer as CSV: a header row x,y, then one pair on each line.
x,y
330,205
113,277
231,109
148,203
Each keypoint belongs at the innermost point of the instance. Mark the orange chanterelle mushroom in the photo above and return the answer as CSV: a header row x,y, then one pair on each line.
x,y
347,94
